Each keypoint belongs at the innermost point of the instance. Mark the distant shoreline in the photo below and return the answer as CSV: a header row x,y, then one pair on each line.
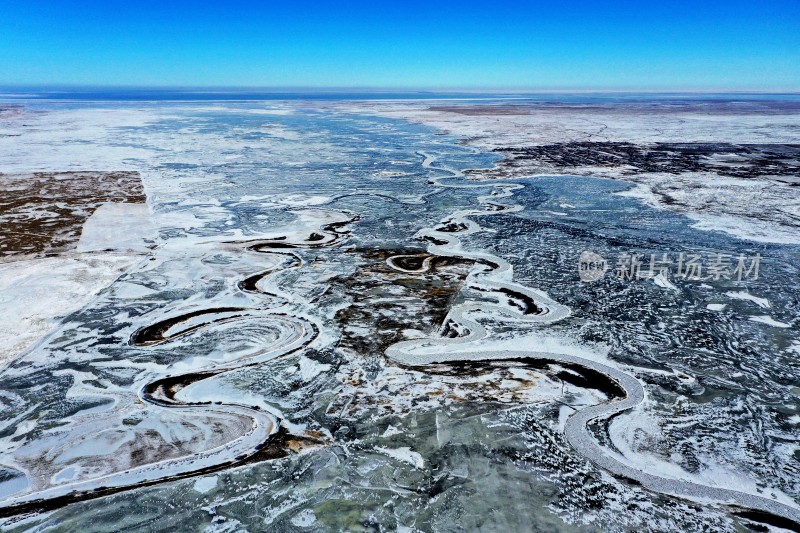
x,y
144,94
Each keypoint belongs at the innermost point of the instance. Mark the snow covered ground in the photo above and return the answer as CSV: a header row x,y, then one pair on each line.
x,y
717,203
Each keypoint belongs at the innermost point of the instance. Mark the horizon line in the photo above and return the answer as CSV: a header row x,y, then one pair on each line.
x,y
58,87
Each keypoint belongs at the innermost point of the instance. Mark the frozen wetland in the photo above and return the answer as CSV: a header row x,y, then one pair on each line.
x,y
370,316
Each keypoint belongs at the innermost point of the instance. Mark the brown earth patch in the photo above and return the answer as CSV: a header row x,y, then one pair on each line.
x,y
385,301
44,212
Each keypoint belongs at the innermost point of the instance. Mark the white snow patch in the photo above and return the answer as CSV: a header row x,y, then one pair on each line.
x,y
662,281
745,228
34,292
392,431
205,484
404,454
737,225
309,369
744,295
118,226
298,200
768,320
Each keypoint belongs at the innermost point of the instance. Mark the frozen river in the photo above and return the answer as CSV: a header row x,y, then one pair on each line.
x,y
321,323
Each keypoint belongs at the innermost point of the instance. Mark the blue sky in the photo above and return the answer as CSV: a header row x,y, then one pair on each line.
x,y
583,45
